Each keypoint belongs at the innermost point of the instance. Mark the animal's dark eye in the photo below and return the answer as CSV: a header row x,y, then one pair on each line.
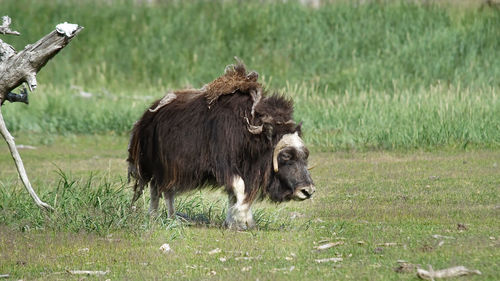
x,y
286,156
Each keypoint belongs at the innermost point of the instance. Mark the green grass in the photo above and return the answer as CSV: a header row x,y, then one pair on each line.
x,y
345,46
371,76
373,197
425,118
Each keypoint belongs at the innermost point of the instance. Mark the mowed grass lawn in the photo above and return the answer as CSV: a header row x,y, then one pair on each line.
x,y
376,207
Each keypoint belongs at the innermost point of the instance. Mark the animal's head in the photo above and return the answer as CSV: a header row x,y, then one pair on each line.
x,y
291,178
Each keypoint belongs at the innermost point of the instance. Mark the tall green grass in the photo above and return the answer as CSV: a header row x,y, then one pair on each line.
x,y
422,118
362,75
95,204
440,115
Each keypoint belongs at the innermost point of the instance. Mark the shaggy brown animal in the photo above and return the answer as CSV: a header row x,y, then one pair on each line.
x,y
229,133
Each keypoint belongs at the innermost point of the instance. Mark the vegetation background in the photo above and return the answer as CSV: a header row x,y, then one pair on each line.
x,y
382,74
401,110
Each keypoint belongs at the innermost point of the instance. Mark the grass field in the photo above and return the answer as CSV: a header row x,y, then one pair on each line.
x,y
364,200
400,104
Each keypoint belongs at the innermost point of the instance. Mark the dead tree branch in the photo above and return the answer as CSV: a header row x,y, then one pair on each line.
x,y
23,66
5,29
17,68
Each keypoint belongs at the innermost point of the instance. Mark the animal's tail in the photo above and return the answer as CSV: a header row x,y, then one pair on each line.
x,y
133,162
140,151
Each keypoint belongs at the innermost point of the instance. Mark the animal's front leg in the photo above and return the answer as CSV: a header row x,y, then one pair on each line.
x,y
239,211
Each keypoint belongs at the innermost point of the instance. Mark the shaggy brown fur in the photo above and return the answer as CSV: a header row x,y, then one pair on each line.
x,y
202,137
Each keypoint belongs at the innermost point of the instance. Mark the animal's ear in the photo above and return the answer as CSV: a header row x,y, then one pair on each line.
x,y
268,130
298,128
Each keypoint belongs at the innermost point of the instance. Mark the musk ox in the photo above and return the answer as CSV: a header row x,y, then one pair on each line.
x,y
229,133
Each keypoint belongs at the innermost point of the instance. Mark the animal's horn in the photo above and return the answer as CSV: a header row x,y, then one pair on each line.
x,y
312,167
254,129
275,159
281,144
285,141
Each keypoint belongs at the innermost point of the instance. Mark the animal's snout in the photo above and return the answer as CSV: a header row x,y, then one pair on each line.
x,y
304,192
308,191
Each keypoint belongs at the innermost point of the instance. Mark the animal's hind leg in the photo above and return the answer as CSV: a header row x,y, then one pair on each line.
x,y
169,201
155,198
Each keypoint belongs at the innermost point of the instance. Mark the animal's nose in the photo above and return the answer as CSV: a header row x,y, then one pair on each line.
x,y
308,190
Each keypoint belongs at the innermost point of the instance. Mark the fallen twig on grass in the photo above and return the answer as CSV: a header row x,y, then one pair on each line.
x,y
284,269
329,260
214,251
445,273
4,275
404,267
437,236
388,244
312,166
247,258
328,245
88,272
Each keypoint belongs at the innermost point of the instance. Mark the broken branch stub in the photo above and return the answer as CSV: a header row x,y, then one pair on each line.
x,y
17,68
5,29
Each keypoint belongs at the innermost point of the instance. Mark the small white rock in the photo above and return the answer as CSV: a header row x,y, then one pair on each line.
x,y
84,250
165,248
214,251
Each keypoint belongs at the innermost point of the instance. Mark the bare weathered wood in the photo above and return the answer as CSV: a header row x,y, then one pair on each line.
x,y
17,68
5,29
19,163
445,273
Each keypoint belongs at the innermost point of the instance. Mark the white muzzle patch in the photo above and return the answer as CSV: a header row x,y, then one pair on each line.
x,y
304,192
